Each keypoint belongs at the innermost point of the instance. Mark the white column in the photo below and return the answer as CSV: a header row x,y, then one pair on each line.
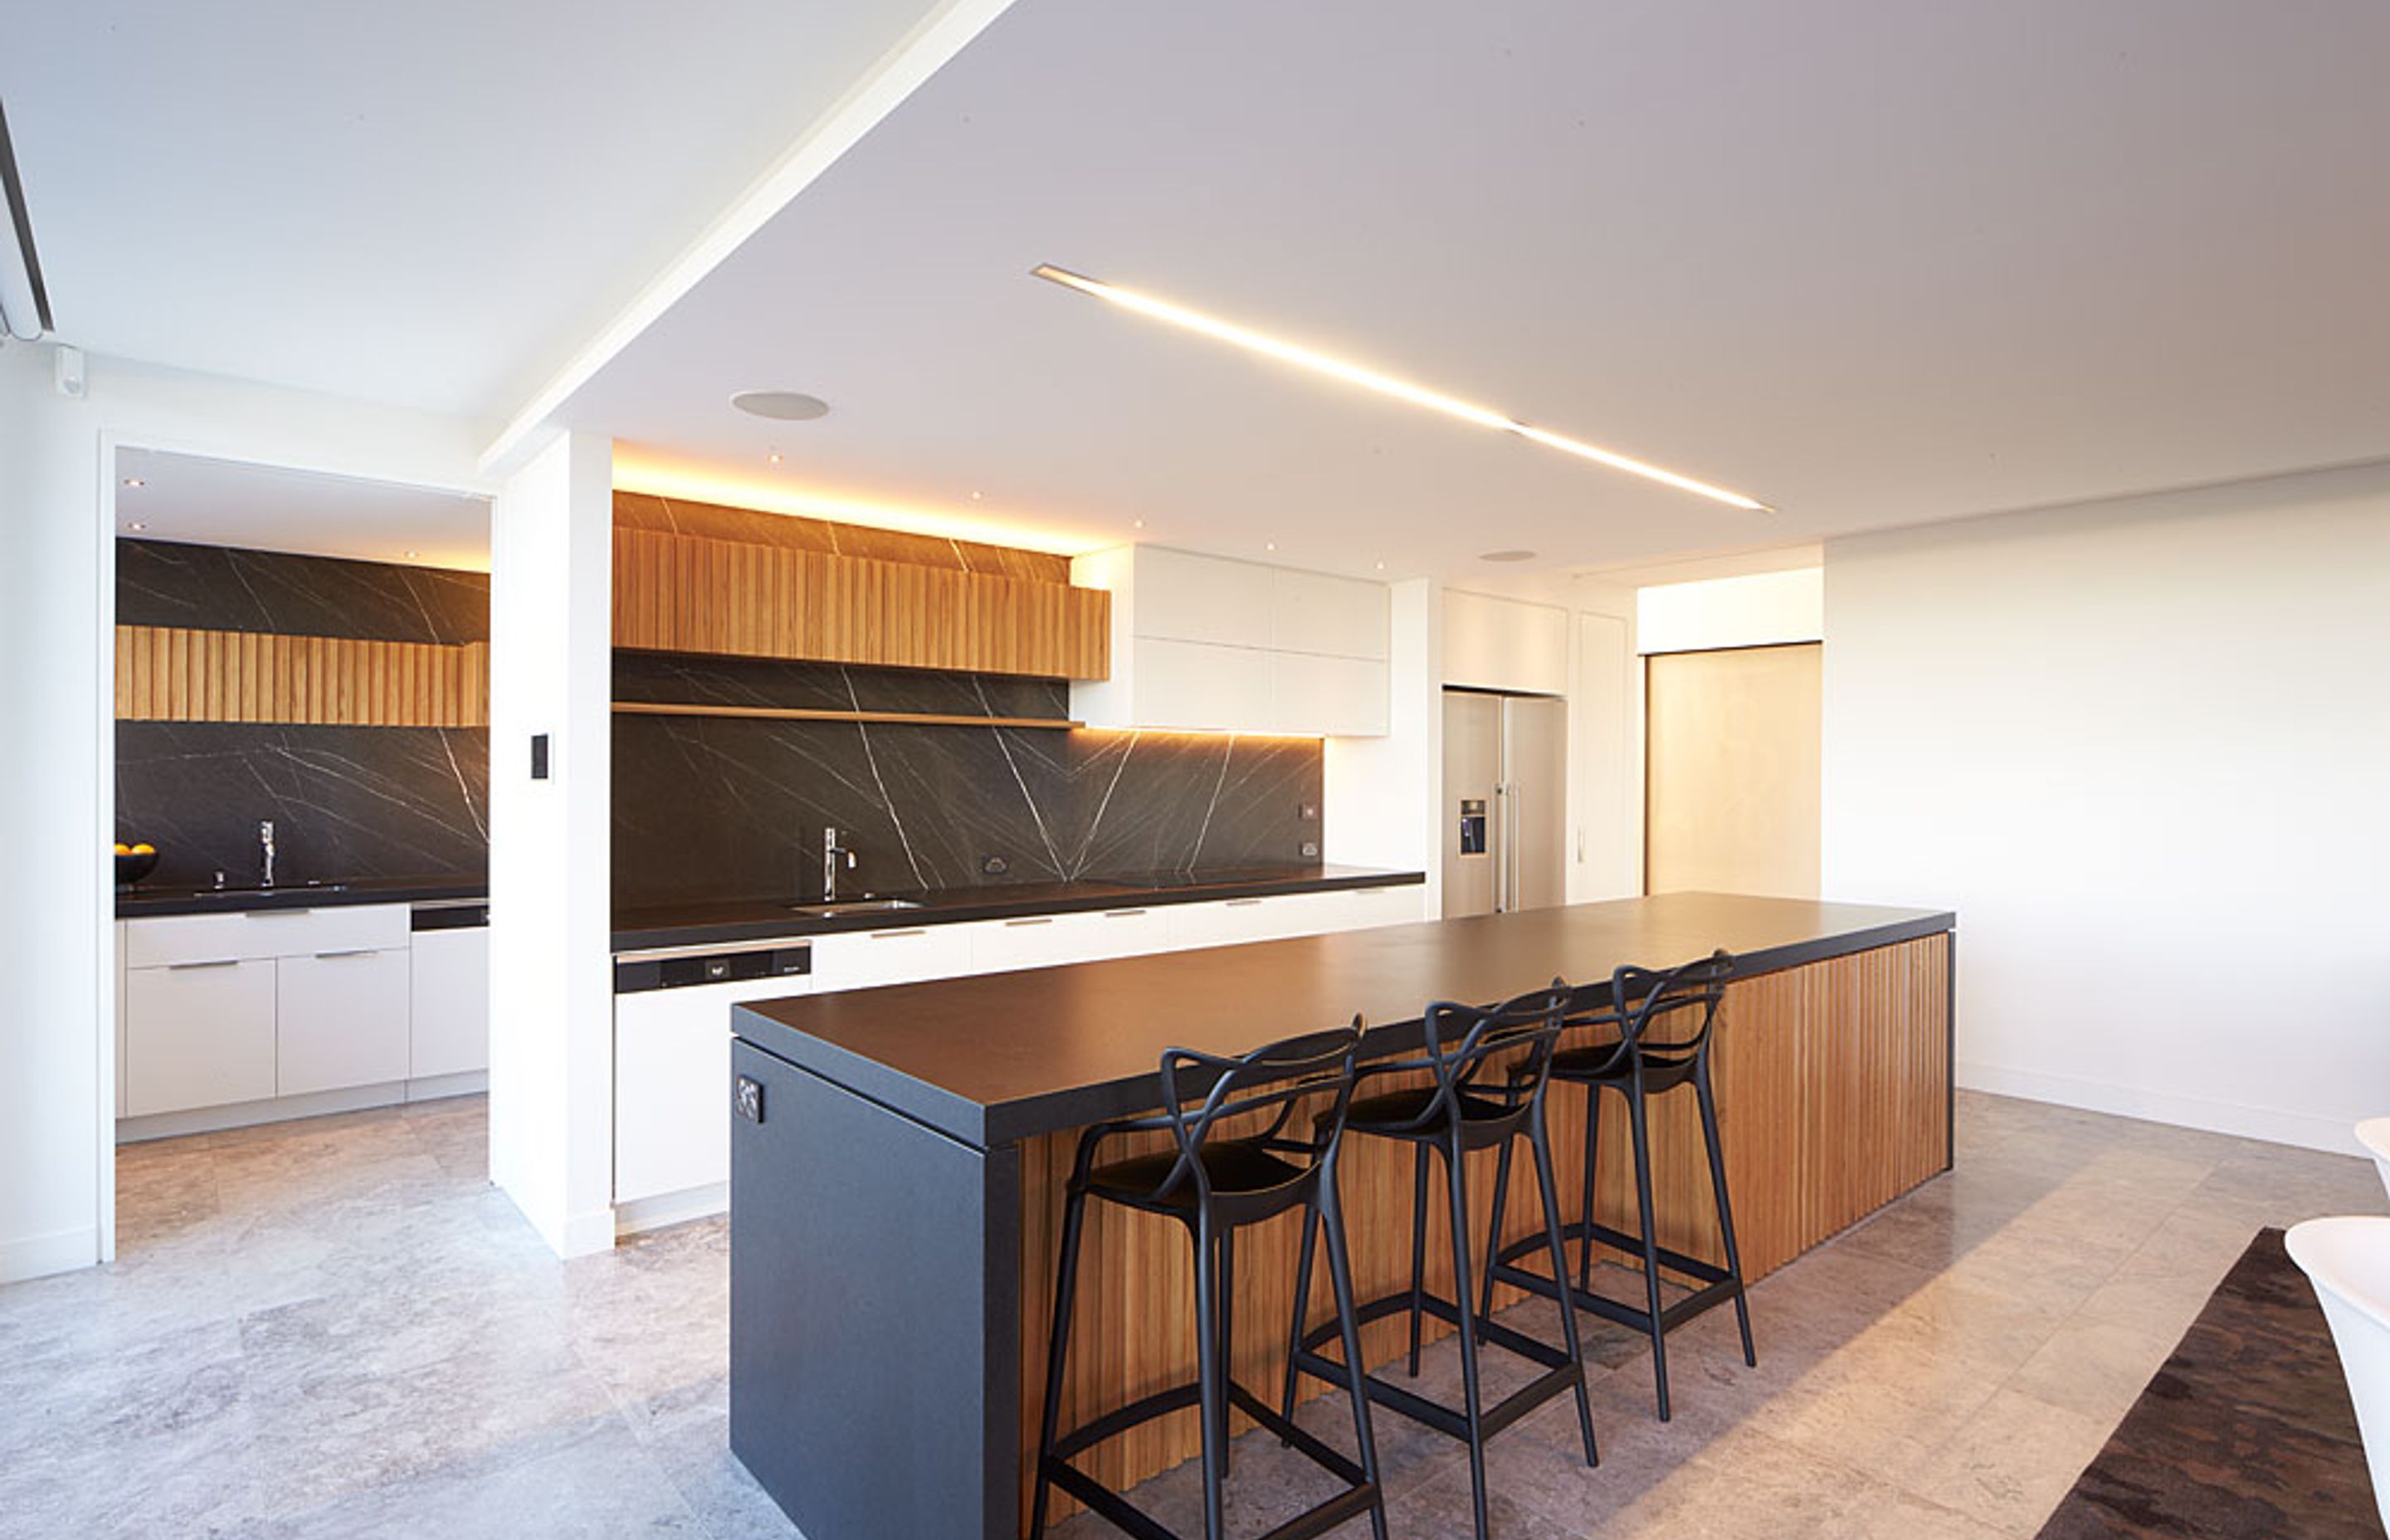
x,y
56,1071
551,998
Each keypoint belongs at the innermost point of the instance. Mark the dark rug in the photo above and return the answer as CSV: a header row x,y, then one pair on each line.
x,y
2246,1431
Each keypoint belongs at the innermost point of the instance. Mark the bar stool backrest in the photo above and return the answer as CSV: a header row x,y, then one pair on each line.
x,y
1499,1054
1669,1012
1273,1080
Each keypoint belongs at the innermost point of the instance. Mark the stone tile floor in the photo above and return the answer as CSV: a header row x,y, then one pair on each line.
x,y
337,1328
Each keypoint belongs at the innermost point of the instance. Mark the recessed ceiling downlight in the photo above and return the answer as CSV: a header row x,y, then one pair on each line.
x,y
1508,556
781,405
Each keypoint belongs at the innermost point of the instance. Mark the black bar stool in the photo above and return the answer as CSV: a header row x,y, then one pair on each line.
x,y
1645,1008
1215,1186
1489,1067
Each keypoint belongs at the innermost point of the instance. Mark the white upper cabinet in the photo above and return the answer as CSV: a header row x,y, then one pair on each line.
x,y
1203,642
1200,598
1337,617
1494,644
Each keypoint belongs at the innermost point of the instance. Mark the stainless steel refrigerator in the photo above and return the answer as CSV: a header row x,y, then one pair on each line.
x,y
1505,779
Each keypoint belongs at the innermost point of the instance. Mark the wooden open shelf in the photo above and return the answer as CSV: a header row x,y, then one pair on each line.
x,y
798,714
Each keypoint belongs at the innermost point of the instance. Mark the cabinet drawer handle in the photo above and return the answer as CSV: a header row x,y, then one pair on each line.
x,y
1122,914
1242,902
351,951
897,935
219,962
1038,919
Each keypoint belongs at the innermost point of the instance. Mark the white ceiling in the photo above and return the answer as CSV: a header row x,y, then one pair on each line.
x,y
429,204
1872,262
209,502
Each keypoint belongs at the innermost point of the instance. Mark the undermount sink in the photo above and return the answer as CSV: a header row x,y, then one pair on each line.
x,y
855,906
269,892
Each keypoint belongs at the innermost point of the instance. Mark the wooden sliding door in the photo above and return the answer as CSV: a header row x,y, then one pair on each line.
x,y
1732,771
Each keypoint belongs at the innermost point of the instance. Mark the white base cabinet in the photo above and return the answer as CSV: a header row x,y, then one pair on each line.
x,y
901,955
340,1020
672,1085
279,1013
448,1003
197,1034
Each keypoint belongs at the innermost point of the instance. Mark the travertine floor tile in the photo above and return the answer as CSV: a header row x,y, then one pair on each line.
x,y
337,1328
2011,1463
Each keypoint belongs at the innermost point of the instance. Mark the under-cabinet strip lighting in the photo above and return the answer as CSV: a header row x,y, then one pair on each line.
x,y
1369,380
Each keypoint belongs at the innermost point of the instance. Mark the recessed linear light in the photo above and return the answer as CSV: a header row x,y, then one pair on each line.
x,y
1368,379
137,526
134,481
1508,556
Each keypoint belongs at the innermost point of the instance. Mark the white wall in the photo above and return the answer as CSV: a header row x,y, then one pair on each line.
x,y
1758,609
1605,759
552,998
57,737
2143,749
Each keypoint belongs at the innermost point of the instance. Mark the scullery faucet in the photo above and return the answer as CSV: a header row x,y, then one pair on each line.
x,y
832,851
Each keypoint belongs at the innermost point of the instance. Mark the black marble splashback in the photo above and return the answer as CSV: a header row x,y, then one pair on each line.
x,y
348,803
221,589
724,808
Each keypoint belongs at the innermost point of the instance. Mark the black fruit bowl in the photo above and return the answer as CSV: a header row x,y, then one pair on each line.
x,y
133,868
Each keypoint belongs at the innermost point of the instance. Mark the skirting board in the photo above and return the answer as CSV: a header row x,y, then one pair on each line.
x,y
2306,1130
243,1114
671,1208
41,1255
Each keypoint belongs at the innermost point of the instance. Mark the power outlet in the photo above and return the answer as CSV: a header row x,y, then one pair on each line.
x,y
1311,849
1310,813
993,865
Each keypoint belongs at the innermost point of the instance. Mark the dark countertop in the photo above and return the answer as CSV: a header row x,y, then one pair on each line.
x,y
998,1058
770,919
145,903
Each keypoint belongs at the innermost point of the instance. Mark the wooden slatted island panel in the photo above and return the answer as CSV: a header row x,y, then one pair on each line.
x,y
893,1257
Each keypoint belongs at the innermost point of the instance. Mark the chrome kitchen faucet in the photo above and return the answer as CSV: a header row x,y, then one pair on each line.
x,y
831,850
265,852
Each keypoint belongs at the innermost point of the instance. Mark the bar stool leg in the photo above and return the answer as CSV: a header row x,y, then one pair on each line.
x,y
1209,1391
1419,1250
1539,1145
1461,1293
1639,1123
1725,1213
1340,1277
1227,1336
1066,1289
1494,1228
1311,1221
1592,1146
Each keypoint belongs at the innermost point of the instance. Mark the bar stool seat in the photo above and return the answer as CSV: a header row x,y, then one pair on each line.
x,y
1232,1168
1404,1112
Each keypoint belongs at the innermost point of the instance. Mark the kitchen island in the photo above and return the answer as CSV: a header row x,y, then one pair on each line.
x,y
898,1163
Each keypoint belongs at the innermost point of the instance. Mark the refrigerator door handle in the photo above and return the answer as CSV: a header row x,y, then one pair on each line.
x,y
1511,843
1501,838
